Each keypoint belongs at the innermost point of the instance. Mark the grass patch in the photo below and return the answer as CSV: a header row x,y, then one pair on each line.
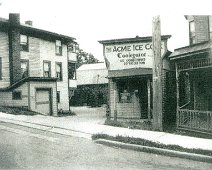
x,y
144,142
131,124
17,111
63,113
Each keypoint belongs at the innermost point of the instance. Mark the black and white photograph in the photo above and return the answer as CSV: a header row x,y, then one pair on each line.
x,y
105,85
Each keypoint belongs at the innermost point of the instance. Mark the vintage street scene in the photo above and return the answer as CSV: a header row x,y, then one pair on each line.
x,y
105,85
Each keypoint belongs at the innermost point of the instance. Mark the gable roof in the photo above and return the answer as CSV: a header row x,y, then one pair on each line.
x,y
95,66
35,32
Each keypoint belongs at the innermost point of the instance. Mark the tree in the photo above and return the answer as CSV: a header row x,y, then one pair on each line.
x,y
85,58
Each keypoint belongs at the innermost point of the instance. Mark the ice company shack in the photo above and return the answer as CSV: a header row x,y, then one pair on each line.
x,y
129,63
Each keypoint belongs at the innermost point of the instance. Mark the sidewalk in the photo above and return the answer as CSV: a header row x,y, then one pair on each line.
x,y
71,124
82,126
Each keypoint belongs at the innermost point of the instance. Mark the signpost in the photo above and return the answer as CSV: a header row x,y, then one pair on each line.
x,y
157,75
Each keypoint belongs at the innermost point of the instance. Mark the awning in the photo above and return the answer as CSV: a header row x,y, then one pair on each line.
x,y
129,72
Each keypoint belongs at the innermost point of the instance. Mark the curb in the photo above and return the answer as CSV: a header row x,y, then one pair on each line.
x,y
160,151
52,129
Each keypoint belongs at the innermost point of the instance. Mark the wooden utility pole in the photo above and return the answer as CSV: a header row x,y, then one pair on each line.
x,y
157,75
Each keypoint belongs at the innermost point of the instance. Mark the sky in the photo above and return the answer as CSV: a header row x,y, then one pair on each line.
x,y
92,20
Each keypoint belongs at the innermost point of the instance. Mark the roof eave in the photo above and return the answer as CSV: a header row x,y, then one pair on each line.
x,y
136,39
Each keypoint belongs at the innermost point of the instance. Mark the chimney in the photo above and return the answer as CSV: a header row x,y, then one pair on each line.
x,y
28,22
14,48
14,19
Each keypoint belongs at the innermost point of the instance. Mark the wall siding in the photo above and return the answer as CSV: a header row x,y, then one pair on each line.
x,y
201,28
33,55
4,54
6,97
47,52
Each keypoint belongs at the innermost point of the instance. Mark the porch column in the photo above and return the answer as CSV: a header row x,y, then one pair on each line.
x,y
115,99
177,91
149,99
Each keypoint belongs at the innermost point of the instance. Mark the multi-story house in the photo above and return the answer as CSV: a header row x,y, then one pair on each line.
x,y
193,65
37,67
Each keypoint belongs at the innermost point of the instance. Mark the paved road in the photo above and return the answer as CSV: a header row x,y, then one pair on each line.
x,y
25,148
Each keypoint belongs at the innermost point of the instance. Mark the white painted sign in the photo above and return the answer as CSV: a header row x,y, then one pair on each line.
x,y
133,55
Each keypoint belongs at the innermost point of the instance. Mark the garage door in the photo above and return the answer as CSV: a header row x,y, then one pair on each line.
x,y
43,101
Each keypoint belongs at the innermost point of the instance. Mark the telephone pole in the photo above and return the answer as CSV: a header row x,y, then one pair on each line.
x,y
157,75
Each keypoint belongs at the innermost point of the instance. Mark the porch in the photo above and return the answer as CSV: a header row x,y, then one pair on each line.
x,y
194,95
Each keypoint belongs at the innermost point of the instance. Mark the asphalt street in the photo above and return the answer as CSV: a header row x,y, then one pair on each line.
x,y
27,148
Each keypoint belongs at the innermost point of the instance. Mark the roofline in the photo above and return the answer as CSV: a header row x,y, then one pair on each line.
x,y
136,39
189,53
188,46
31,29
27,79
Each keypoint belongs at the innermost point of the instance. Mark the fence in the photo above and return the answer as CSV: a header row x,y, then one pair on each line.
x,y
195,120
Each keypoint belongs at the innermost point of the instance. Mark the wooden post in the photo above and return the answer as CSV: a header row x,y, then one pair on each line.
x,y
177,91
157,75
115,100
149,99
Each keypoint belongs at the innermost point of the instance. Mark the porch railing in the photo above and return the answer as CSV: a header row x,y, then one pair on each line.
x,y
194,64
195,120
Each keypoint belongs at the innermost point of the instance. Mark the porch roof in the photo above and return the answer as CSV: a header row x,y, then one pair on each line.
x,y
191,50
27,79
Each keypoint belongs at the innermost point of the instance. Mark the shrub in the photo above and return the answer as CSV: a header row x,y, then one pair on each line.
x,y
66,113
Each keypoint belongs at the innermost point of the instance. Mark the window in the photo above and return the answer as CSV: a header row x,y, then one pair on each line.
x,y
46,69
73,48
24,68
124,92
59,71
58,97
0,68
210,26
24,43
72,71
16,95
58,47
192,32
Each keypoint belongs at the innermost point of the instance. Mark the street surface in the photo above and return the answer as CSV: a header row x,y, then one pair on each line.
x,y
26,148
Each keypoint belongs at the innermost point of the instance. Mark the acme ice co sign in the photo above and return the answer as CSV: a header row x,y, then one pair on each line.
x,y
134,55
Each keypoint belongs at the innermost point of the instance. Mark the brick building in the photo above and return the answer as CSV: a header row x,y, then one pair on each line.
x,y
37,67
193,65
129,63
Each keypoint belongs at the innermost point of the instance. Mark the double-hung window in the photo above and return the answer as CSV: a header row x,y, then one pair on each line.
x,y
192,32
59,71
58,47
24,68
24,43
47,69
72,71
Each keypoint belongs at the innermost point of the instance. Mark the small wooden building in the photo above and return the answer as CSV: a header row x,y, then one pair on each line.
x,y
129,63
